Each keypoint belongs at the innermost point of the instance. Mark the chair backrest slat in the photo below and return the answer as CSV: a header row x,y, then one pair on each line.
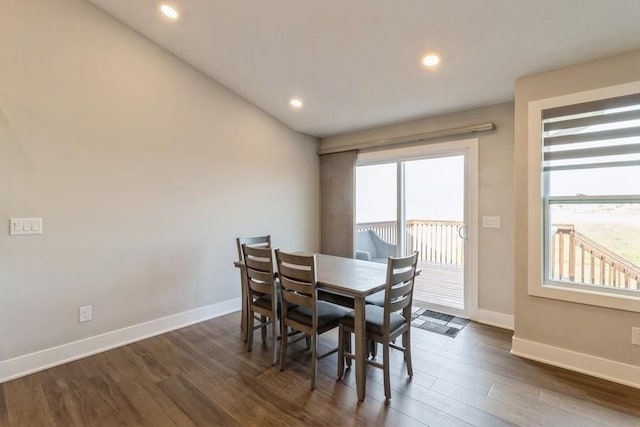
x,y
302,288
404,262
297,299
399,304
401,289
294,272
260,276
299,260
260,288
260,264
403,275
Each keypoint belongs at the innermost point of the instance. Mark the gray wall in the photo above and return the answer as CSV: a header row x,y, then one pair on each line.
x,y
596,331
495,195
144,171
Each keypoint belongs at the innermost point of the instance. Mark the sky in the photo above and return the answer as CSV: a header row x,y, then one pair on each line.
x,y
434,190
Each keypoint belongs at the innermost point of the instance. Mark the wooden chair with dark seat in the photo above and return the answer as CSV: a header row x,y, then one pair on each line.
x,y
385,324
261,242
262,294
301,309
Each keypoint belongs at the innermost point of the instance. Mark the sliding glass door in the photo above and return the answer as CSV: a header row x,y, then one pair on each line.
x,y
419,203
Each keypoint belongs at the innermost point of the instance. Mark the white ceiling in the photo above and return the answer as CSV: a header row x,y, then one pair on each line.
x,y
356,62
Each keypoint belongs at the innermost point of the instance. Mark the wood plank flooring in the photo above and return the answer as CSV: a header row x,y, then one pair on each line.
x,y
202,375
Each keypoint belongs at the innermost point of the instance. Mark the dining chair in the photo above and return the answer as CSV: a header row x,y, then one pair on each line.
x,y
261,242
262,294
301,309
385,324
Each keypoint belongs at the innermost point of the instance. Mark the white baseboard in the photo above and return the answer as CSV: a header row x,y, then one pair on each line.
x,y
494,318
607,369
43,359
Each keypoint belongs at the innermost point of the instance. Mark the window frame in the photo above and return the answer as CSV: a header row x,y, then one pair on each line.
x,y
537,211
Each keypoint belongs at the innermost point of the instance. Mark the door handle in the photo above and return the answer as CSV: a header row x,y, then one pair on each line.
x,y
462,232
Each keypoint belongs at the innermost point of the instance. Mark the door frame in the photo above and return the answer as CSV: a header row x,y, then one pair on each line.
x,y
469,148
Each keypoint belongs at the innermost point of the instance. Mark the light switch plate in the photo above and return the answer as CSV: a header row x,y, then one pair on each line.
x,y
21,226
491,221
635,336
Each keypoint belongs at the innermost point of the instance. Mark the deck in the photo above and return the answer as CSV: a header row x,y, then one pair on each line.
x,y
441,257
439,284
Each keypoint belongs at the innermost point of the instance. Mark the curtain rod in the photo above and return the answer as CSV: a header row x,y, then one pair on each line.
x,y
463,130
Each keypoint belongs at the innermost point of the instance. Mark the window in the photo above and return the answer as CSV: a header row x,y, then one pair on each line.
x,y
589,209
591,190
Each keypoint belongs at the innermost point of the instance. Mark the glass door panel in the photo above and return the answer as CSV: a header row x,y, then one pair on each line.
x,y
434,220
376,212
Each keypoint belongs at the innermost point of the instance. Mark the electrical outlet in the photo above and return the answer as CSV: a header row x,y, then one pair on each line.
x,y
635,336
85,313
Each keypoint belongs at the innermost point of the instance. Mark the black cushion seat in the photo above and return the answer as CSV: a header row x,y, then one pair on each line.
x,y
375,319
265,302
328,314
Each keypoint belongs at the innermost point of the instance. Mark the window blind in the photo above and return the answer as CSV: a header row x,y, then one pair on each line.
x,y
605,133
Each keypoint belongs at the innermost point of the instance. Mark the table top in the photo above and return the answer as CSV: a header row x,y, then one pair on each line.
x,y
347,276
352,277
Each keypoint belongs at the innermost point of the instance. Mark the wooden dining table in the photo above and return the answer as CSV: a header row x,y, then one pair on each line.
x,y
356,279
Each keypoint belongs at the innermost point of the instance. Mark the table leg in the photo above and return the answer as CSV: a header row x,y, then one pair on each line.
x,y
361,347
245,310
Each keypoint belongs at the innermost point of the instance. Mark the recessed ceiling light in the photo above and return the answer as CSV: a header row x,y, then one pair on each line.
x,y
168,11
431,59
296,102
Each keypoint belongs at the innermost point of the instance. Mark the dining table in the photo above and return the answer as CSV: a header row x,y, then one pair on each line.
x,y
353,280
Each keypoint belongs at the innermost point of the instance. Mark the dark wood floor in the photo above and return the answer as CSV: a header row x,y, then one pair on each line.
x,y
202,375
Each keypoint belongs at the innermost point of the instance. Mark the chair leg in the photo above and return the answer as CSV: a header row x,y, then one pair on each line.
x,y
349,349
308,340
385,365
274,340
341,344
263,328
244,321
406,342
314,360
250,330
283,346
373,349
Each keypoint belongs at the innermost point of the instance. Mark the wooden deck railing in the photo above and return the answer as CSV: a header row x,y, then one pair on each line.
x,y
437,241
578,258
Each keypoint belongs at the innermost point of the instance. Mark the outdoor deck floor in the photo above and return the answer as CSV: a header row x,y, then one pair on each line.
x,y
439,284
